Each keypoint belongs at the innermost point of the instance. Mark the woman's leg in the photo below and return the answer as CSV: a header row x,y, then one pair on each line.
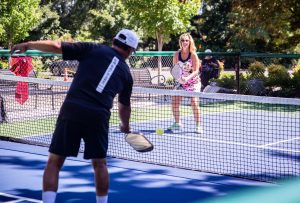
x,y
196,109
176,101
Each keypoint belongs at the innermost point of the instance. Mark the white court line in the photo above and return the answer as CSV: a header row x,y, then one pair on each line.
x,y
235,143
35,135
19,198
274,143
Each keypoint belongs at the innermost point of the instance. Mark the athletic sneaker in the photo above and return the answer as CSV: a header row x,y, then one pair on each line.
x,y
175,126
199,129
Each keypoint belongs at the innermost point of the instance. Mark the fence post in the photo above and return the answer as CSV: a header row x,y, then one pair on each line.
x,y
237,72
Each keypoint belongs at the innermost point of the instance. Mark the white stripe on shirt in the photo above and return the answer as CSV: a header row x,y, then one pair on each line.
x,y
112,66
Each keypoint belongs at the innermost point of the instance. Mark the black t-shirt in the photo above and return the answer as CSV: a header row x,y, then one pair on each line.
x,y
102,74
206,66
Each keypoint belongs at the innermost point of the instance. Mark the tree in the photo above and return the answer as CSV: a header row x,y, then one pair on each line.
x,y
162,18
73,16
104,21
48,27
16,19
247,25
212,24
94,20
266,25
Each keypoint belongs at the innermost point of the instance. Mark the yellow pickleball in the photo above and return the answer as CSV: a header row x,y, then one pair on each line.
x,y
159,131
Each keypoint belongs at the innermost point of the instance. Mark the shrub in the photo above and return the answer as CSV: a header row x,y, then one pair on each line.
x,y
285,92
3,64
278,76
135,62
256,70
296,77
226,80
221,63
170,81
243,83
37,65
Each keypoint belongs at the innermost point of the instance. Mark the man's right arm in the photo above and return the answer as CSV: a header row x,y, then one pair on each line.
x,y
44,46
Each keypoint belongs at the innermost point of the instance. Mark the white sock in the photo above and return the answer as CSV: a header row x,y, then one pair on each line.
x,y
49,197
101,199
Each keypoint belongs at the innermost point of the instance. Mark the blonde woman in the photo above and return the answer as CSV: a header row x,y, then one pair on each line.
x,y
190,80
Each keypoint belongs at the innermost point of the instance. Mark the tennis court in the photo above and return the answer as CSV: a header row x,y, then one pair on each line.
x,y
248,137
22,168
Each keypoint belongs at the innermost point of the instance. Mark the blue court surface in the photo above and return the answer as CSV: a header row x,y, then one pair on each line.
x,y
21,169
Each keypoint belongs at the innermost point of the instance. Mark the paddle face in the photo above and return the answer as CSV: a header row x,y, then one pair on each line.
x,y
176,71
139,142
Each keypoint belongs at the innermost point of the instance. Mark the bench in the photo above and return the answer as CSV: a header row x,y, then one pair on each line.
x,y
143,78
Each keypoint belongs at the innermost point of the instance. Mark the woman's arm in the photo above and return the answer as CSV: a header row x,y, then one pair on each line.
x,y
175,58
195,67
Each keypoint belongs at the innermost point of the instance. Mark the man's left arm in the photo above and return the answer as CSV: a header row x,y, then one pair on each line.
x,y
124,115
124,106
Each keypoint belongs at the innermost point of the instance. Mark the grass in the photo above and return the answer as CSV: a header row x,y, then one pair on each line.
x,y
231,105
30,127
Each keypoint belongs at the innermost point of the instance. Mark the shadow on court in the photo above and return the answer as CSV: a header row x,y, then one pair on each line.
x,y
285,155
131,182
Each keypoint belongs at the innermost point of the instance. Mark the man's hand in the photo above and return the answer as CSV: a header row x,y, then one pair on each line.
x,y
22,47
213,64
124,129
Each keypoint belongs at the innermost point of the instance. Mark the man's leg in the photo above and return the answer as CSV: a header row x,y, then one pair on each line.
x,y
50,178
204,80
101,179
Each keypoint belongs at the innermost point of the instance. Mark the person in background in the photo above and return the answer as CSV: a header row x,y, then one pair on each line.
x,y
209,69
190,80
102,74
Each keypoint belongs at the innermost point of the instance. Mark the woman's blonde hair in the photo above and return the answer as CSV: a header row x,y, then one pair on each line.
x,y
193,48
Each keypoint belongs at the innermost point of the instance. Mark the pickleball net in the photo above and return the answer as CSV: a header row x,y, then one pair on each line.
x,y
243,136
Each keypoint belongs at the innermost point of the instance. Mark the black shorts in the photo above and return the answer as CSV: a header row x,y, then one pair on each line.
x,y
68,134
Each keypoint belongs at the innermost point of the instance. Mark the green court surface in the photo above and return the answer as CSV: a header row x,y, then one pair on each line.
x,y
147,113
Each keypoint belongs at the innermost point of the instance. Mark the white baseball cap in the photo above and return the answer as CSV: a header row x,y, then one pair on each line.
x,y
128,37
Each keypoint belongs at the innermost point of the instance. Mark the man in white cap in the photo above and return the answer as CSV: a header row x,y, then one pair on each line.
x,y
102,73
209,69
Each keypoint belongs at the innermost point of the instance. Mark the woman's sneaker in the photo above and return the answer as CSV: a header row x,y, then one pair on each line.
x,y
199,129
175,127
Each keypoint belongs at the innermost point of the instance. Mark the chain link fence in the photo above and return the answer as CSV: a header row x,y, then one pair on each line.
x,y
275,75
258,74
